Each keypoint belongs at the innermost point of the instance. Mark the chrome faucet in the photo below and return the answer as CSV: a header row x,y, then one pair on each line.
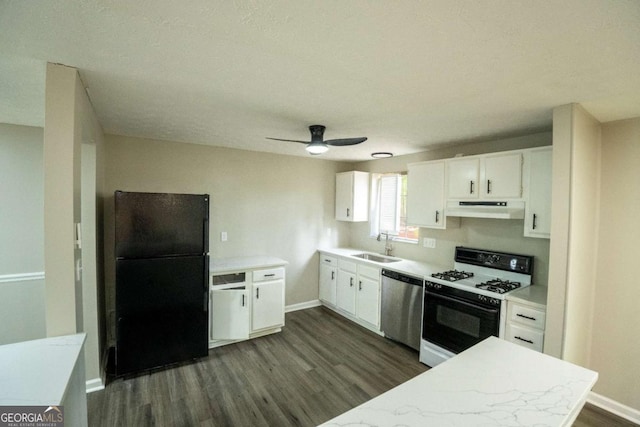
x,y
388,247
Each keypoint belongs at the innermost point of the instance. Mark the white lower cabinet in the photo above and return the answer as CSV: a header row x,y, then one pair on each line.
x,y
357,291
368,295
229,314
346,290
525,325
328,279
246,304
267,309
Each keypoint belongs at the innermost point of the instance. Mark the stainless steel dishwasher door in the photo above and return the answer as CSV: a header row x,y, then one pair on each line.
x,y
401,317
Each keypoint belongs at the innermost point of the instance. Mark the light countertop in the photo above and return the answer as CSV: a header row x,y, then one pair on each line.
x,y
534,295
494,383
37,372
414,268
243,263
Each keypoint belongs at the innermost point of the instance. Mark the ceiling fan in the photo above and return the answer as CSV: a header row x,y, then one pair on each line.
x,y
318,146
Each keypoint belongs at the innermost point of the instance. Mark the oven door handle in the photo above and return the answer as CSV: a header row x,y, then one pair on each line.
x,y
461,301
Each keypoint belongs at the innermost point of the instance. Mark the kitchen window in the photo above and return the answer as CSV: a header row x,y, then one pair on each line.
x,y
389,207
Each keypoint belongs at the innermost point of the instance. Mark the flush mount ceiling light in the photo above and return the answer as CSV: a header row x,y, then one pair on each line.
x,y
381,155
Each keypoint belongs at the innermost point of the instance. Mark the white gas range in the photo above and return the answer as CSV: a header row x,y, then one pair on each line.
x,y
466,305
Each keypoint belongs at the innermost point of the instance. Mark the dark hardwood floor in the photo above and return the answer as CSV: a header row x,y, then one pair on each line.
x,y
319,366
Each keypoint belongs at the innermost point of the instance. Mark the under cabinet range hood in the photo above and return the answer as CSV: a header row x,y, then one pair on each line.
x,y
485,209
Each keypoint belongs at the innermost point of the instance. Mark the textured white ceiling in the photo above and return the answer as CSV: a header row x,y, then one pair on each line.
x,y
406,74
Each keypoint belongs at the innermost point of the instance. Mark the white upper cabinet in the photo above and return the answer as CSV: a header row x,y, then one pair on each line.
x,y
537,221
352,196
425,194
501,176
463,174
487,177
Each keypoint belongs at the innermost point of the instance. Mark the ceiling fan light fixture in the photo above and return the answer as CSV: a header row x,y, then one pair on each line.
x,y
317,147
381,155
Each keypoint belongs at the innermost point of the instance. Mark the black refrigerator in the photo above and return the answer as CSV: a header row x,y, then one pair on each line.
x,y
162,268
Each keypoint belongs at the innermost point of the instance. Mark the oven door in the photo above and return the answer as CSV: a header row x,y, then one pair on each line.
x,y
456,324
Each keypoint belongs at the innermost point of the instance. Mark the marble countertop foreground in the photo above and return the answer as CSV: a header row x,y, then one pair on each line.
x,y
494,383
37,372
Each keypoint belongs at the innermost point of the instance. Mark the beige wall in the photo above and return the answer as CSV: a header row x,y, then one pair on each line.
x,y
61,201
268,204
583,236
22,301
493,234
615,347
71,302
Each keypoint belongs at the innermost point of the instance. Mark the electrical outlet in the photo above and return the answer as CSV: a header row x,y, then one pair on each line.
x,y
223,236
429,243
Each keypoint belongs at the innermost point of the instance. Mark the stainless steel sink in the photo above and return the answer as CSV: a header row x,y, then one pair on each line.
x,y
376,257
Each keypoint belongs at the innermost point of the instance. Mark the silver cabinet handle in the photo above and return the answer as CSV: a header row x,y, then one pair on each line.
x,y
488,186
470,187
270,275
243,300
351,281
333,275
257,293
437,216
360,285
535,217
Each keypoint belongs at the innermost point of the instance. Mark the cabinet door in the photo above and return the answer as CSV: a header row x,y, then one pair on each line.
x,y
327,288
463,176
502,176
344,196
368,300
229,315
268,305
352,196
538,206
345,292
425,195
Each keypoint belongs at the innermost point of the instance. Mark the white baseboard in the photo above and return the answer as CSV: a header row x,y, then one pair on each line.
x,y
614,407
302,305
95,384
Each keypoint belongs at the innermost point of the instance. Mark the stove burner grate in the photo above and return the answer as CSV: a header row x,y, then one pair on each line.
x,y
452,275
499,286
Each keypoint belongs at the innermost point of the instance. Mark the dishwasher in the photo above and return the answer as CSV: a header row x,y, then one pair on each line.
x,y
401,314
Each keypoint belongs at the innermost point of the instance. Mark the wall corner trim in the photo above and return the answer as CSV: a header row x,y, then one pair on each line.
x,y
614,407
302,306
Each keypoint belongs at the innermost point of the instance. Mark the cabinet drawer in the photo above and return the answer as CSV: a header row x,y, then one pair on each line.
x,y
526,337
370,272
328,260
347,265
528,316
268,274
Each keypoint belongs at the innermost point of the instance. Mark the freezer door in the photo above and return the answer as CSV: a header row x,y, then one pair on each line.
x,y
161,312
151,225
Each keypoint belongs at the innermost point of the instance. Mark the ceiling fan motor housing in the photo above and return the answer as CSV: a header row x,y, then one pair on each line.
x,y
317,132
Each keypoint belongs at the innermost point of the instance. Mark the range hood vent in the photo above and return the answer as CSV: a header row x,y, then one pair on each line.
x,y
497,210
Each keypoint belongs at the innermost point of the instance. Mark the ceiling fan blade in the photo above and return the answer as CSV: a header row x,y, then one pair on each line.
x,y
346,141
288,140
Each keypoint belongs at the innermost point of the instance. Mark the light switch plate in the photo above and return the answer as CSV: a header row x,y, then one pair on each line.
x,y
223,236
